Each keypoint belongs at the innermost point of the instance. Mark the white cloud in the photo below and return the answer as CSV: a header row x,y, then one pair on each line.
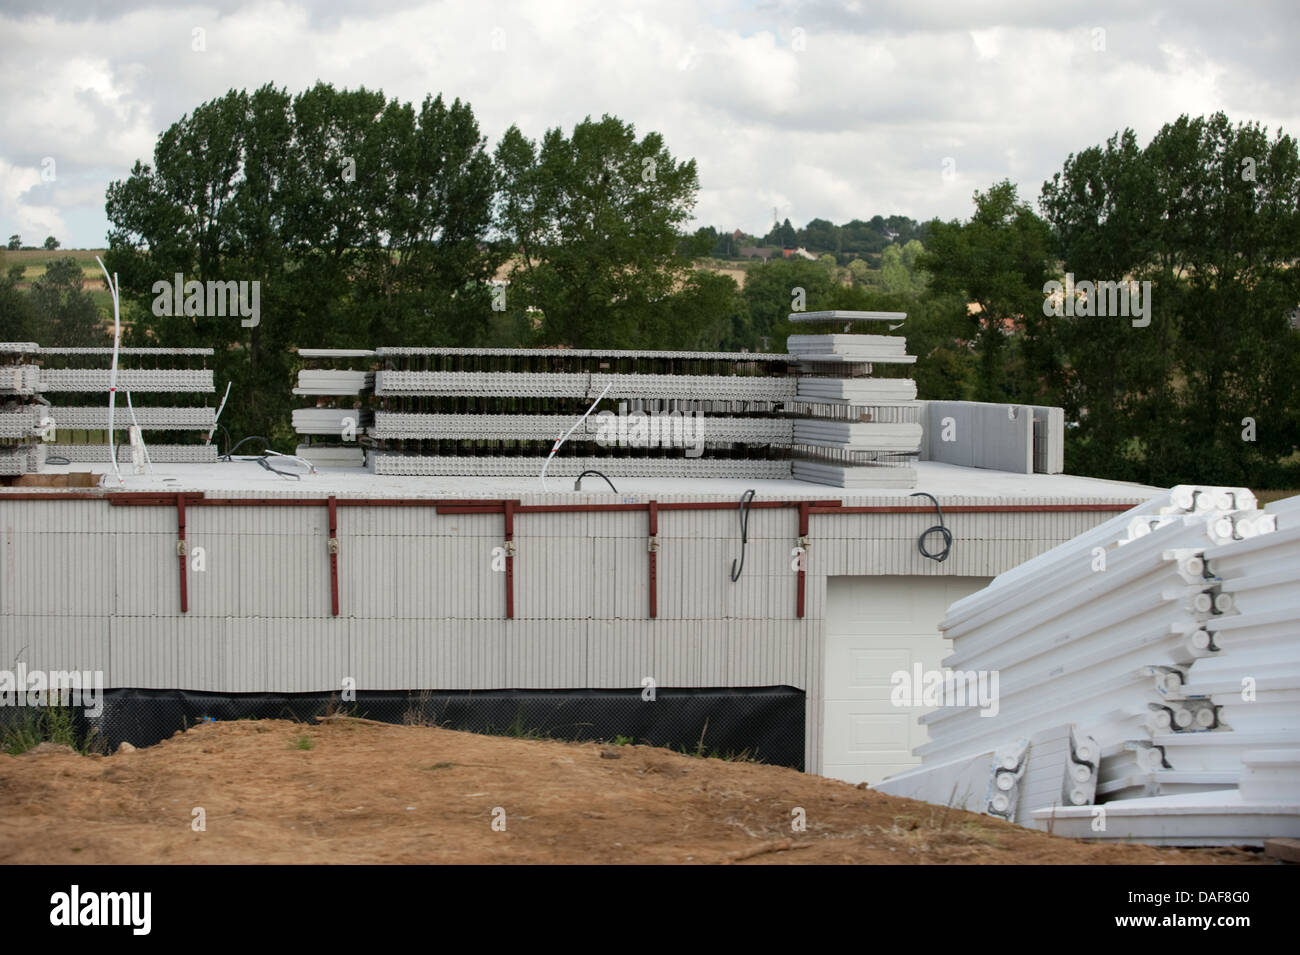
x,y
856,122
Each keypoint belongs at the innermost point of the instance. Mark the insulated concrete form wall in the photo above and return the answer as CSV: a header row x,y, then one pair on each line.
x,y
87,585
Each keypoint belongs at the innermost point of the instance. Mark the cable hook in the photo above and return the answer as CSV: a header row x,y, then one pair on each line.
x,y
736,567
943,532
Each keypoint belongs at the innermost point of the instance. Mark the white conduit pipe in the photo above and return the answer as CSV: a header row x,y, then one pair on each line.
x,y
565,437
218,417
139,433
112,375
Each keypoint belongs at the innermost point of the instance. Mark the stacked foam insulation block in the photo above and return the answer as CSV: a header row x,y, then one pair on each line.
x,y
1164,646
77,381
21,410
857,429
460,411
332,430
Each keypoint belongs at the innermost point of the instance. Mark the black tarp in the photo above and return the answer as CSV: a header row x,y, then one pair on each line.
x,y
762,723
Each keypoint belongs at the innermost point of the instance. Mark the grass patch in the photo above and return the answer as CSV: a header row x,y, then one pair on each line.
x,y
31,726
303,742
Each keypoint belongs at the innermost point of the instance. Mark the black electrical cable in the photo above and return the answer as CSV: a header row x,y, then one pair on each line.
x,y
745,500
222,429
939,528
577,485
57,459
266,464
251,437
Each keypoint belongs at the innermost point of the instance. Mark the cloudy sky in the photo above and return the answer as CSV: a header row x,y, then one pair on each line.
x,y
833,108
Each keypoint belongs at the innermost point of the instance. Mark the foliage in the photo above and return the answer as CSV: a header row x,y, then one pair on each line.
x,y
364,220
998,261
595,221
1208,214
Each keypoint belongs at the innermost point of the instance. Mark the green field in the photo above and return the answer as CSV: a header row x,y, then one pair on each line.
x,y
33,261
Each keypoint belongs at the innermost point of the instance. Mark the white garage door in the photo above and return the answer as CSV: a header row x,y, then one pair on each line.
x,y
874,627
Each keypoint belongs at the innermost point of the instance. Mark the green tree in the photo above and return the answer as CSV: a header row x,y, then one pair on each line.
x,y
65,314
821,235
364,221
998,261
1207,214
594,219
15,242
899,273
18,321
51,243
773,289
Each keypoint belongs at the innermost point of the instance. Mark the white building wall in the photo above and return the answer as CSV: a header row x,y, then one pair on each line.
x,y
89,585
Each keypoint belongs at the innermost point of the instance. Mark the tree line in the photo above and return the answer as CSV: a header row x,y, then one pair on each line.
x,y
368,221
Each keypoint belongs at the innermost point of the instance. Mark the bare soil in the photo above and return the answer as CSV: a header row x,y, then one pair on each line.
x,y
351,791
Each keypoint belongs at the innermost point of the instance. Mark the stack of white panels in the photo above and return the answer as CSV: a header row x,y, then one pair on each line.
x,y
1170,636
330,381
884,349
710,428
858,391
477,466
95,418
158,453
128,379
561,385
337,422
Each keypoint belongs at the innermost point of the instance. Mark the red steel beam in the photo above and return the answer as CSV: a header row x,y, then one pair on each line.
x,y
510,559
654,559
182,551
334,556
970,508
803,558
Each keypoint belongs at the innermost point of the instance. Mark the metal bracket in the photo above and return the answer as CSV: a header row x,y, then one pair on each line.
x,y
510,548
333,545
803,541
180,549
654,543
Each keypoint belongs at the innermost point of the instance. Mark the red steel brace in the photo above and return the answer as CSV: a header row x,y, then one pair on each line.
x,y
182,554
803,557
510,559
333,545
654,559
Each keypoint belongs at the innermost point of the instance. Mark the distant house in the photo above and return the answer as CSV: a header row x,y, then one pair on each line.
x,y
798,253
753,252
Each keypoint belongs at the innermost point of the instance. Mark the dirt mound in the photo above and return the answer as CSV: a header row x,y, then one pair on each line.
x,y
355,791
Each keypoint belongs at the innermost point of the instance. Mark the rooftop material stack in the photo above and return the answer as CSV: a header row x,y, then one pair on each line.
x,y
824,414
21,409
461,411
1165,645
337,378
860,420
153,380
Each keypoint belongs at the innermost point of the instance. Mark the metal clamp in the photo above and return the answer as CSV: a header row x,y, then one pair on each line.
x,y
180,548
510,548
333,545
654,543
